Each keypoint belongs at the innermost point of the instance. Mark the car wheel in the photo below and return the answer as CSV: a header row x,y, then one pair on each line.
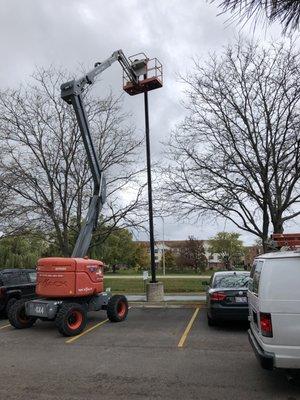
x,y
9,304
210,321
17,316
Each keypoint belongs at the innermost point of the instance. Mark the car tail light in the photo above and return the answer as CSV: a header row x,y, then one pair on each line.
x,y
217,296
266,324
2,292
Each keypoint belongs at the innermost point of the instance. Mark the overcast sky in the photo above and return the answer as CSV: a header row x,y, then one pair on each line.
x,y
70,33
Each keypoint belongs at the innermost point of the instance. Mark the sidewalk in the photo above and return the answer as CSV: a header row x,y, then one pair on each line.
x,y
158,276
182,298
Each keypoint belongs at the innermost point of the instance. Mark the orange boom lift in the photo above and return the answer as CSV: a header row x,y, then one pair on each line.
x,y
68,288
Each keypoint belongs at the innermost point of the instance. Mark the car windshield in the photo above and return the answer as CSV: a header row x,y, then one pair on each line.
x,y
231,281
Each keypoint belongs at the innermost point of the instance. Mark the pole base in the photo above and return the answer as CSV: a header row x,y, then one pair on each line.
x,y
155,291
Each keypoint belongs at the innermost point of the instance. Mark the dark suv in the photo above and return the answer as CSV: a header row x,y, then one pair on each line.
x,y
16,284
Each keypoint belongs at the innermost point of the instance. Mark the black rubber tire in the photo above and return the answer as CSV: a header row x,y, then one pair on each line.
x,y
117,308
210,321
17,316
9,304
65,319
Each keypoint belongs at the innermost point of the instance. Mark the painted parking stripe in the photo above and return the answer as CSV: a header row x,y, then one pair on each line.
x,y
188,328
74,338
5,326
86,331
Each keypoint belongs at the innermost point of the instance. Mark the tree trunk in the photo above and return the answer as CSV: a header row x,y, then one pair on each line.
x,y
265,227
278,225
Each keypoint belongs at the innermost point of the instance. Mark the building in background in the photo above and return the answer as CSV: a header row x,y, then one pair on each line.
x,y
213,260
175,246
250,253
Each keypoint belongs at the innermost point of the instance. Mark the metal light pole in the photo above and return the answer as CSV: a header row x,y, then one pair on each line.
x,y
151,228
164,259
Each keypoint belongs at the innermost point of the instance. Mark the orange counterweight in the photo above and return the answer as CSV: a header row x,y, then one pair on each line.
x,y
69,277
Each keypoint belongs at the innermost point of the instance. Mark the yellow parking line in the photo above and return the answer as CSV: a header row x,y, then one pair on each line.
x,y
86,331
5,326
188,328
71,340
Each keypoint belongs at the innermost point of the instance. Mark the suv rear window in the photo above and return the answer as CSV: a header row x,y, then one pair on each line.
x,y
255,276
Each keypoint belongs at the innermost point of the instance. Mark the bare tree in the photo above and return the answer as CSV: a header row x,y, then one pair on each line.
x,y
5,199
236,155
44,165
287,12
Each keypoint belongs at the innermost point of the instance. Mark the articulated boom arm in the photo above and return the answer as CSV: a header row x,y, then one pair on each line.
x,y
71,93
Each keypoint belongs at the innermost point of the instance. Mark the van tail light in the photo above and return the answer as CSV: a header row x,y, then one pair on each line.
x,y
266,324
218,296
2,291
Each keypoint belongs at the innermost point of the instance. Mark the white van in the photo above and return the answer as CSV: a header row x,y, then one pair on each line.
x,y
274,309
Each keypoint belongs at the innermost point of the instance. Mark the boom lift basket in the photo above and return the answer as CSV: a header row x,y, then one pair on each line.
x,y
151,77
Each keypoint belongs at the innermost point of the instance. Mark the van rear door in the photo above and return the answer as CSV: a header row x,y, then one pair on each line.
x,y
253,294
279,295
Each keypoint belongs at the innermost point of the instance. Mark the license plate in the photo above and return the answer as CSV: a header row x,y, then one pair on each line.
x,y
241,300
39,309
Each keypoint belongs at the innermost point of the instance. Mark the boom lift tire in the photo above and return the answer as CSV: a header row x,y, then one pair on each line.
x,y
71,319
17,315
117,308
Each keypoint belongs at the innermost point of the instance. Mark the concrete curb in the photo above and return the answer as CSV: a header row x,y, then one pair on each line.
x,y
166,304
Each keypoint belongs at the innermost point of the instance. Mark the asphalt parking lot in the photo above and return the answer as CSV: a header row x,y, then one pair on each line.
x,y
158,353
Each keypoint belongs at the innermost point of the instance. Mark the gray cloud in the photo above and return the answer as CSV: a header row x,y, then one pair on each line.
x,y
70,33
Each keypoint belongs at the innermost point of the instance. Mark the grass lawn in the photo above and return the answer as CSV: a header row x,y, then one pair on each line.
x,y
136,286
159,272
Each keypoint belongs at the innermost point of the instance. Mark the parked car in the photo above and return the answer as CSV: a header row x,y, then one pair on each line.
x,y
226,297
16,284
274,309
